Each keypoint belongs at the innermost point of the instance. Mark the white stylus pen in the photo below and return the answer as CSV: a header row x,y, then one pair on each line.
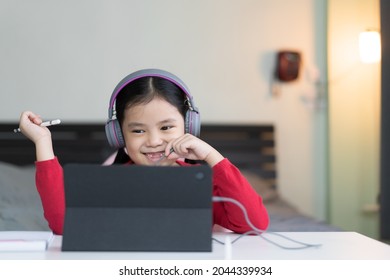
x,y
46,123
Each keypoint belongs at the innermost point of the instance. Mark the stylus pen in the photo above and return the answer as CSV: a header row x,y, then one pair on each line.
x,y
46,123
164,156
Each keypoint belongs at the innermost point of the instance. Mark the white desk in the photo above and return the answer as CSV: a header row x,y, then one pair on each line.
x,y
334,246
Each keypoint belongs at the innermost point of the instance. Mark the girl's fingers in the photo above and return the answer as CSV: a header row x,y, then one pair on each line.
x,y
30,117
187,146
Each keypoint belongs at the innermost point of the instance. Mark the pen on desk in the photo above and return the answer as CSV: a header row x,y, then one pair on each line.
x,y
46,123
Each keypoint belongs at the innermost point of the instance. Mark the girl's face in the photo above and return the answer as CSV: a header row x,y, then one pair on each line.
x,y
148,128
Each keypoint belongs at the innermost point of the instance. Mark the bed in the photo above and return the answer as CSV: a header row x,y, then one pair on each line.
x,y
250,147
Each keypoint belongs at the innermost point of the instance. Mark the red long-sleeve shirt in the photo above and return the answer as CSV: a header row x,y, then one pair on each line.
x,y
227,182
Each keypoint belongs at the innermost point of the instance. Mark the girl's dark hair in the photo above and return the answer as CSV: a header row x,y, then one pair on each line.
x,y
142,91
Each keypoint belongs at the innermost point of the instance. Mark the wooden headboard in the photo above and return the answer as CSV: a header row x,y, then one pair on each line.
x,y
249,147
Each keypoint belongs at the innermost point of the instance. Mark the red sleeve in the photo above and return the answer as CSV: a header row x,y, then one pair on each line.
x,y
49,180
229,182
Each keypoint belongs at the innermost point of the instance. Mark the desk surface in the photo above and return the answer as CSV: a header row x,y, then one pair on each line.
x,y
334,246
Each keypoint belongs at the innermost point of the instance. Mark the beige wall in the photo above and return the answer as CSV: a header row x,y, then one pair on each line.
x,y
354,110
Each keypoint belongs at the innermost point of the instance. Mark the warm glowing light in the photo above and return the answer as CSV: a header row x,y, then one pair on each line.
x,y
370,46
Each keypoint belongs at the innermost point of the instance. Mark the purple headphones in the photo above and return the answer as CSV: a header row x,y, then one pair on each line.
x,y
113,128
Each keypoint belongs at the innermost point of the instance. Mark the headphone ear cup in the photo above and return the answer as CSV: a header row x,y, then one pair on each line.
x,y
114,134
192,123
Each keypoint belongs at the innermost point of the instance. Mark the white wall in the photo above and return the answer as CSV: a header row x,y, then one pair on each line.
x,y
62,59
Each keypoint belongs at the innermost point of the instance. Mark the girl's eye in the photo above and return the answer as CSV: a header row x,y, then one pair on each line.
x,y
138,131
166,127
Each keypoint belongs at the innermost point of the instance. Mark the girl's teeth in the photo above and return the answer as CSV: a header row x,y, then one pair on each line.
x,y
155,155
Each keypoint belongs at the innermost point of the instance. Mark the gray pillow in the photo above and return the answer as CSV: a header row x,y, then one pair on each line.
x,y
20,205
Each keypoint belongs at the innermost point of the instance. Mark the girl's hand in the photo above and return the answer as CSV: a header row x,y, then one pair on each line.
x,y
191,147
29,125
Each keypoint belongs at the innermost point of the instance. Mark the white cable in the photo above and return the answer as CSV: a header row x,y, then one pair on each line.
x,y
258,231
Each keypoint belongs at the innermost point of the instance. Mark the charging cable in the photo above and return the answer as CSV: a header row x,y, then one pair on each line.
x,y
260,232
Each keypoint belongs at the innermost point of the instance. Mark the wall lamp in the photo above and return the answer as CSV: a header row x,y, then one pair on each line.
x,y
370,46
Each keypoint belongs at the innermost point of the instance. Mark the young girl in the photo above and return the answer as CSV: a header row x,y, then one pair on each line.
x,y
152,121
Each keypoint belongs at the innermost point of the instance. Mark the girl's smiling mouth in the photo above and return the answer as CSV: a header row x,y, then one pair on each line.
x,y
158,157
155,156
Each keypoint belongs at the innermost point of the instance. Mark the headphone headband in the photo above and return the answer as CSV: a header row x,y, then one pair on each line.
x,y
149,73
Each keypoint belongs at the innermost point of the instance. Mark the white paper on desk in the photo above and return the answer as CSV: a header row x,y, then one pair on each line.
x,y
23,241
